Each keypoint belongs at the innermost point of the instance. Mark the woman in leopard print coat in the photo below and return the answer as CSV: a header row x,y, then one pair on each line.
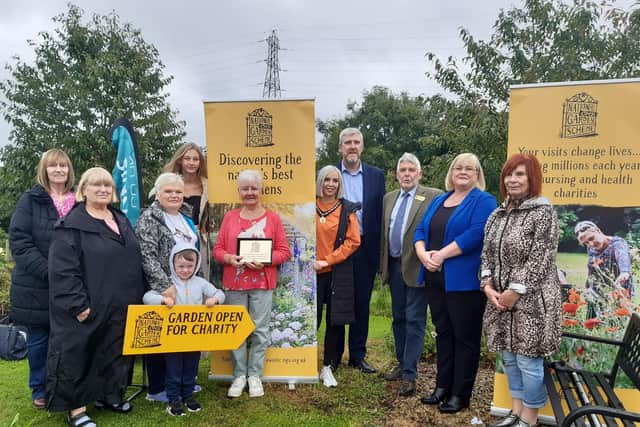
x,y
519,277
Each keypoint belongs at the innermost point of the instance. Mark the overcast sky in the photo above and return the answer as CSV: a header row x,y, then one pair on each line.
x,y
334,49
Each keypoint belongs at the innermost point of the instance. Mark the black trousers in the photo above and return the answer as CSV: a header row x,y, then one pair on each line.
x,y
333,333
156,372
457,317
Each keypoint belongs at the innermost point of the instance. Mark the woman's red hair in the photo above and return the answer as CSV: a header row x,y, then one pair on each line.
x,y
534,173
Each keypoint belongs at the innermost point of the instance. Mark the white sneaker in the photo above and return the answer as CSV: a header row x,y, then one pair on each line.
x,y
237,386
255,387
326,375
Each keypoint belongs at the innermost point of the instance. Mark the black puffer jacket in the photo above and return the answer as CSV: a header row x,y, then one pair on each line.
x,y
29,238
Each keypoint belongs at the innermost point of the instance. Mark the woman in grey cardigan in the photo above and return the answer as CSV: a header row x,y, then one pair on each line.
x,y
523,318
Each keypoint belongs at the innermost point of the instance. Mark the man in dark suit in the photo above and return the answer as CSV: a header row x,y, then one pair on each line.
x,y
402,210
363,183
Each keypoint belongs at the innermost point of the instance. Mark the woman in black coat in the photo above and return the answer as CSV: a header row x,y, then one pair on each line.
x,y
95,272
29,238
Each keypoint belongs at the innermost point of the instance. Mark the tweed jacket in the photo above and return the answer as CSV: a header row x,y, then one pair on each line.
x,y
520,247
410,264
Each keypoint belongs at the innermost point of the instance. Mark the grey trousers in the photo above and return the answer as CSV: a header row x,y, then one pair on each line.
x,y
258,304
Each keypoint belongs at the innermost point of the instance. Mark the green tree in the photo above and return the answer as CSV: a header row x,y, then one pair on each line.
x,y
390,124
434,129
544,41
85,75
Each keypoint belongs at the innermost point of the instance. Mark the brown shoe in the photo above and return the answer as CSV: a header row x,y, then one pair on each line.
x,y
407,388
394,375
40,402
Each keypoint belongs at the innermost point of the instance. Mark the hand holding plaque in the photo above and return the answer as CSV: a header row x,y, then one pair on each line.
x,y
255,250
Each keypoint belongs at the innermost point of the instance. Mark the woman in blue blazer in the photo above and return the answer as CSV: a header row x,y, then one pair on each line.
x,y
448,242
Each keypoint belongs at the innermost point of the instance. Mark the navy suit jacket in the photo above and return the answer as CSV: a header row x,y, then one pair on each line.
x,y
373,189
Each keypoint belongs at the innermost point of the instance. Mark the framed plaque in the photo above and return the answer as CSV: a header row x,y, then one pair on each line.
x,y
255,249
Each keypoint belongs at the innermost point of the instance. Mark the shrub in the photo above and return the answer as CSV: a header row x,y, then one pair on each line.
x,y
5,275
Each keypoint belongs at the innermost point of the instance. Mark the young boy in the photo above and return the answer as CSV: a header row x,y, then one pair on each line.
x,y
182,368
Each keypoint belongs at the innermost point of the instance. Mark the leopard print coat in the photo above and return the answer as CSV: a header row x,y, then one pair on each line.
x,y
520,247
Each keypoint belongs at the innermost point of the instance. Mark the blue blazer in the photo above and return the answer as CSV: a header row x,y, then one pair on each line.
x,y
373,189
466,228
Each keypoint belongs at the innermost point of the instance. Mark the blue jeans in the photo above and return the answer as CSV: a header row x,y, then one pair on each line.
x,y
526,379
37,345
409,312
182,369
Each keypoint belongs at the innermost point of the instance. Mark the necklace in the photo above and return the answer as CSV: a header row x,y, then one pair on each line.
x,y
325,214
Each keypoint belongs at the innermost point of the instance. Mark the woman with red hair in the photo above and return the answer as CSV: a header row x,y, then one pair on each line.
x,y
519,277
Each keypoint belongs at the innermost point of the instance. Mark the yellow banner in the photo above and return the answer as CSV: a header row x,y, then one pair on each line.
x,y
276,137
273,137
587,138
279,362
159,329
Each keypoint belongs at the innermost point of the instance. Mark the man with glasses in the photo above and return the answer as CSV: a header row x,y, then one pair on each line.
x,y
363,184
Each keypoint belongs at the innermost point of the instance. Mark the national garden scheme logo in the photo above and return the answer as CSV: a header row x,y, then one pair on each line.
x,y
259,128
579,116
148,330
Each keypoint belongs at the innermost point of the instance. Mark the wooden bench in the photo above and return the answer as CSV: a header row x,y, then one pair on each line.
x,y
589,396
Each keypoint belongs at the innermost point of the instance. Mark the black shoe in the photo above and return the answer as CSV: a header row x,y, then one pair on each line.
x,y
508,421
363,366
192,405
453,404
175,409
407,388
122,408
439,395
394,375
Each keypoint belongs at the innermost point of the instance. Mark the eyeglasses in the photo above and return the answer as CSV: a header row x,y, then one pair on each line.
x,y
465,169
182,235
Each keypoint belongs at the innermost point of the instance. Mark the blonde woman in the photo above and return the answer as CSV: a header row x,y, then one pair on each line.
x,y
30,237
190,163
95,272
448,243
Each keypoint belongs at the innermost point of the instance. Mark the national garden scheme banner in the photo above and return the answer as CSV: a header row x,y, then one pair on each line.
x,y
276,138
587,138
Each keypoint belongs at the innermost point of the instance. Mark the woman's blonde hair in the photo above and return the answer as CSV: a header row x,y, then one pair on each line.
x,y
175,164
466,158
322,175
166,178
51,158
96,176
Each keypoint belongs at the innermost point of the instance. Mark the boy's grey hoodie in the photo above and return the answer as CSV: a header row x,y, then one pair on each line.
x,y
193,291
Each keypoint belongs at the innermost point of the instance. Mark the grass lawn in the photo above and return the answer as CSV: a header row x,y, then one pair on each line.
x,y
575,265
358,399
